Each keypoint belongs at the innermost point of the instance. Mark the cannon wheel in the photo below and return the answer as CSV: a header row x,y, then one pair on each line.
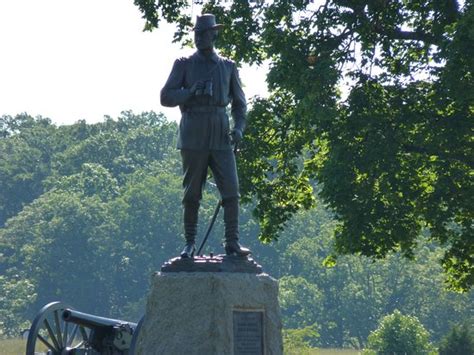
x,y
136,333
50,334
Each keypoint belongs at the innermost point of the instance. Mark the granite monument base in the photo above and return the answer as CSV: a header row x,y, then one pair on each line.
x,y
211,313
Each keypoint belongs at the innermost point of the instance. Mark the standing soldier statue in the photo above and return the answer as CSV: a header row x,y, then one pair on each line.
x,y
203,85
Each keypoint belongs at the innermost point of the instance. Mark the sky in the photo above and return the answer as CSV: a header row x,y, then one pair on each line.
x,y
72,60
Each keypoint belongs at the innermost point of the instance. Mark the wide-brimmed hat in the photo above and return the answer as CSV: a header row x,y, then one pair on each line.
x,y
206,22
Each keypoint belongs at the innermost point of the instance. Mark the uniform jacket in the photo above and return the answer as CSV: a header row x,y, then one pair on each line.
x,y
204,122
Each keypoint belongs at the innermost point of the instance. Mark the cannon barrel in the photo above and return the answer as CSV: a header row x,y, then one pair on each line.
x,y
91,321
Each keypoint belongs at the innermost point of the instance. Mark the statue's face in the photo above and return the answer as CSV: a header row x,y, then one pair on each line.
x,y
204,39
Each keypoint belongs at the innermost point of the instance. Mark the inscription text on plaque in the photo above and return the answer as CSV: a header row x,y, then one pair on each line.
x,y
248,332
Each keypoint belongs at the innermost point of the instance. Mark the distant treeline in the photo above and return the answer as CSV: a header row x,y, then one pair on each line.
x,y
89,211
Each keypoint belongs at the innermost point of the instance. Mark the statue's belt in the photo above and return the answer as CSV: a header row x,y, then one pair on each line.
x,y
209,109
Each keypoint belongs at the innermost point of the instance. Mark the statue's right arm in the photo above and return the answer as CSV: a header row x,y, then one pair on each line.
x,y
173,93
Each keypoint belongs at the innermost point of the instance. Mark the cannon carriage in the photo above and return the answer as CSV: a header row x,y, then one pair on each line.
x,y
60,330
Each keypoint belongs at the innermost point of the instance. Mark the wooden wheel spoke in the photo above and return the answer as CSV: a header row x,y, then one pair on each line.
x,y
73,334
85,337
43,333
80,345
65,342
51,334
45,342
58,329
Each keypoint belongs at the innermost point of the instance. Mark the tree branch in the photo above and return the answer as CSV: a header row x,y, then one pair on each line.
x,y
410,36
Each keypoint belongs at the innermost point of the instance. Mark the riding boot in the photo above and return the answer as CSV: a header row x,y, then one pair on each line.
x,y
231,222
190,219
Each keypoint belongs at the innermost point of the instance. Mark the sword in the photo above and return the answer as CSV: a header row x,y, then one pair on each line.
x,y
214,217
211,224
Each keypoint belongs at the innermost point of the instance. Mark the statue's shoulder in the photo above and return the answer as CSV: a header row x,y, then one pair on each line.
x,y
226,61
183,60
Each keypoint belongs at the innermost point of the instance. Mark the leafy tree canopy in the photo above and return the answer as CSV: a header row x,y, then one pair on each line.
x,y
460,340
101,226
399,334
374,99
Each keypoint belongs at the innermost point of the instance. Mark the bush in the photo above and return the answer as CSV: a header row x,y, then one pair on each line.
x,y
298,341
399,334
460,340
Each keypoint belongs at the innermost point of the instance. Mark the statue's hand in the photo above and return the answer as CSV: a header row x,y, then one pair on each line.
x,y
197,87
236,136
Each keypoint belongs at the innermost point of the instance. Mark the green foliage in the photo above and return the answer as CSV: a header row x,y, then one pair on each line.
x,y
56,240
460,340
300,302
393,155
31,142
356,292
94,220
399,334
15,295
121,147
276,179
298,341
93,179
100,227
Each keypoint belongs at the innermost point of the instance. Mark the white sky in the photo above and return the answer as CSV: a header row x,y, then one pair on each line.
x,y
83,59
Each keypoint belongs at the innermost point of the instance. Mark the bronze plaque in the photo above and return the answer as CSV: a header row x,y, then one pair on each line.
x,y
248,333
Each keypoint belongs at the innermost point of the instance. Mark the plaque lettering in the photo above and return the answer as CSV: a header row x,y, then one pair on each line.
x,y
248,333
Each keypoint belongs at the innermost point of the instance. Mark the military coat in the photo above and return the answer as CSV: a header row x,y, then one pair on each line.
x,y
204,121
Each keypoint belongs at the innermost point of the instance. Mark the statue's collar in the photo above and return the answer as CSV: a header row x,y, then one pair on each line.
x,y
214,57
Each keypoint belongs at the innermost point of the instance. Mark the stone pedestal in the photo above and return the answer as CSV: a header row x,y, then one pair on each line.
x,y
211,313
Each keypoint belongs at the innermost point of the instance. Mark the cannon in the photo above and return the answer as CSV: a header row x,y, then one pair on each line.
x,y
58,329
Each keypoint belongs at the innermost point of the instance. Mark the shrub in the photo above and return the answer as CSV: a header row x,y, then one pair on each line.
x,y
298,341
460,340
399,334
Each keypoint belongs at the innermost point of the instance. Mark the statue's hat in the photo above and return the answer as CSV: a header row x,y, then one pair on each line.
x,y
206,22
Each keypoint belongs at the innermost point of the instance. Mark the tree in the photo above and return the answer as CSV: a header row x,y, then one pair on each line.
x,y
393,155
93,179
399,334
356,292
103,229
61,244
121,146
76,224
300,302
460,340
15,296
148,216
26,148
298,341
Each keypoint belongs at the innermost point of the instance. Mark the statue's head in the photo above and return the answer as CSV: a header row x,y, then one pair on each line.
x,y
205,31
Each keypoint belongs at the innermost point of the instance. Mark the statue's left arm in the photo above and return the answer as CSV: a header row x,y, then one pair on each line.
x,y
239,104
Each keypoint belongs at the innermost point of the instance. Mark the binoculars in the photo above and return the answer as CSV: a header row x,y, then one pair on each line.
x,y
207,90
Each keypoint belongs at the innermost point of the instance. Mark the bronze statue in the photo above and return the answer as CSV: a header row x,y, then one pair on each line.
x,y
203,85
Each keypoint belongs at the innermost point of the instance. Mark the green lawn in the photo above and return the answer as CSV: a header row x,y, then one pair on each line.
x,y
325,352
336,352
17,347
12,347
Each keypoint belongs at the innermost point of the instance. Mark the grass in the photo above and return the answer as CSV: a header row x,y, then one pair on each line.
x,y
12,346
324,352
18,346
336,352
